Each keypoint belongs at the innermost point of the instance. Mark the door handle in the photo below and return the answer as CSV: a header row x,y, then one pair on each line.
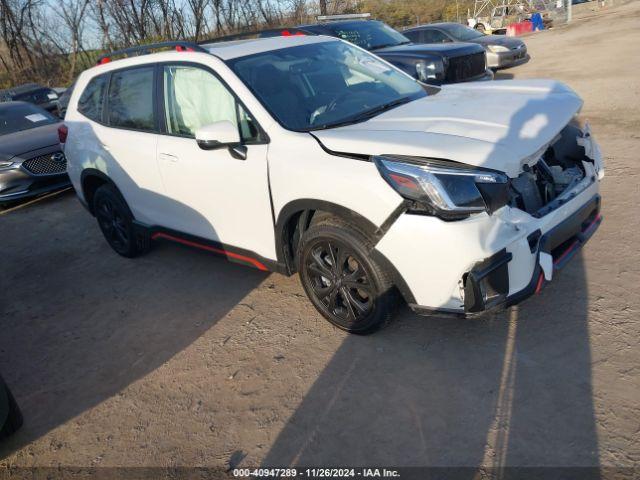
x,y
165,157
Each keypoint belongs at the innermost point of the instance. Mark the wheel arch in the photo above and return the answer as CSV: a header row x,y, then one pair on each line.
x,y
296,217
90,180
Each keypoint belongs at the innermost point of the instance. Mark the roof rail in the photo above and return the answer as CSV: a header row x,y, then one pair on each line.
x,y
267,33
180,46
347,16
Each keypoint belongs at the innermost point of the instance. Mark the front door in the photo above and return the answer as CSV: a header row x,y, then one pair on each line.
x,y
210,193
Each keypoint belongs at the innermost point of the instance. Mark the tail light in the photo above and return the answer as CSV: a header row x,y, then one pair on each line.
x,y
63,132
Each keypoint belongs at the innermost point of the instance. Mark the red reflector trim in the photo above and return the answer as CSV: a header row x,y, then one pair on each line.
x,y
540,283
592,224
104,60
403,181
565,253
180,48
189,243
285,33
63,133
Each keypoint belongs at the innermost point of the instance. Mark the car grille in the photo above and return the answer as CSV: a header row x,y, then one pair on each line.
x,y
49,164
465,67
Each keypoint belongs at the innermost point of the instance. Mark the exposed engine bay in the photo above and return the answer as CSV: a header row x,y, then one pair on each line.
x,y
540,188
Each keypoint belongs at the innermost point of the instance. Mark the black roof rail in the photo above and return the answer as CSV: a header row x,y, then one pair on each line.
x,y
181,46
266,33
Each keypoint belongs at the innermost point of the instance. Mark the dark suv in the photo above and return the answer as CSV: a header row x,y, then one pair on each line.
x,y
44,97
431,63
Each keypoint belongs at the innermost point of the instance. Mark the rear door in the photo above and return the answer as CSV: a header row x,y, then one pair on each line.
x,y
214,195
130,139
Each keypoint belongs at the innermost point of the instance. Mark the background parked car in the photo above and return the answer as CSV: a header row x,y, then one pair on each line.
x,y
10,415
44,97
31,161
502,51
434,63
63,101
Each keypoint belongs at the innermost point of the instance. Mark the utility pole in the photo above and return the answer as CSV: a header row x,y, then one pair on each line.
x,y
323,7
569,11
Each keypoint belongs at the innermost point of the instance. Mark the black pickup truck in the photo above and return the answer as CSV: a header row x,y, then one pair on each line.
x,y
431,63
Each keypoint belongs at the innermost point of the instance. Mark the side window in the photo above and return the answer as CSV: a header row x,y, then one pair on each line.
x,y
131,99
434,36
414,36
194,97
92,98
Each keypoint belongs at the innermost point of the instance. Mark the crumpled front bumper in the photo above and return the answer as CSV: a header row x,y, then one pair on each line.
x,y
485,261
487,284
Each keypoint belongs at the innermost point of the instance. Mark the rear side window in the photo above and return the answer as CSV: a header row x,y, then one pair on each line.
x,y
413,36
91,100
131,99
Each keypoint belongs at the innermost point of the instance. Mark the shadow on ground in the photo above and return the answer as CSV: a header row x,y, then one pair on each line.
x,y
511,389
76,329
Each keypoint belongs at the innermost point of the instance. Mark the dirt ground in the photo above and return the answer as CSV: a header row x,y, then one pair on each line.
x,y
181,359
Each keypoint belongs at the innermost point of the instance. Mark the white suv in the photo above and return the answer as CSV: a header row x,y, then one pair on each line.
x,y
311,155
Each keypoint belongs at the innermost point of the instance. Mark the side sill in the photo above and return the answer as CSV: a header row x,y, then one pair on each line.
x,y
229,252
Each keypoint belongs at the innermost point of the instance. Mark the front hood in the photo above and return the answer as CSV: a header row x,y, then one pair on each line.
x,y
21,143
454,49
499,125
503,40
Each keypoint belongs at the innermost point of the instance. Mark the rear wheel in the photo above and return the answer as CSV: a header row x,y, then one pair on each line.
x,y
116,222
345,285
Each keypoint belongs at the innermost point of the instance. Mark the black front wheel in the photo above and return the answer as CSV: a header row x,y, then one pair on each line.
x,y
345,285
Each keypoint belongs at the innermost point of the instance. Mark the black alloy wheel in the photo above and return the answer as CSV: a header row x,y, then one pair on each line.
x,y
116,222
341,279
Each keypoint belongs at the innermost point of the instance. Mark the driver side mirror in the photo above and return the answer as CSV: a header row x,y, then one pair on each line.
x,y
217,135
223,134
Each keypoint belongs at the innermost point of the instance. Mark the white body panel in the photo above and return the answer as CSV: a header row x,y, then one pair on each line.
x,y
453,124
169,181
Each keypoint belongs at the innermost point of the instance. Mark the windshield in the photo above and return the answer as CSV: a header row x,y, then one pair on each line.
x,y
462,33
369,35
323,85
23,116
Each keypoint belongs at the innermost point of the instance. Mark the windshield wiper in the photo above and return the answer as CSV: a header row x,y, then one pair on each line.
x,y
366,115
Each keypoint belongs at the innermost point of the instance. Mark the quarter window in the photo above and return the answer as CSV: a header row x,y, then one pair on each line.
x,y
131,99
195,98
92,98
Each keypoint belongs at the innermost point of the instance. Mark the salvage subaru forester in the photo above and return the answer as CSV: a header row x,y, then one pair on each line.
x,y
310,155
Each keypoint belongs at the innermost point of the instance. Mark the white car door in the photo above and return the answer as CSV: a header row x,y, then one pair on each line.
x,y
131,138
212,194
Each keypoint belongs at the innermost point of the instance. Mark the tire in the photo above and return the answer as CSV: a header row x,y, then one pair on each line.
x,y
14,418
346,286
116,223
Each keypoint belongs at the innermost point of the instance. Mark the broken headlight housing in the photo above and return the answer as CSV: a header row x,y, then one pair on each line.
x,y
446,189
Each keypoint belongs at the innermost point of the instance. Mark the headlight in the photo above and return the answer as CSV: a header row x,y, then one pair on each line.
x,y
5,164
430,70
497,48
446,189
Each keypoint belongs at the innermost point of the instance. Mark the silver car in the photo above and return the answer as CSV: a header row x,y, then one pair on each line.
x,y
502,51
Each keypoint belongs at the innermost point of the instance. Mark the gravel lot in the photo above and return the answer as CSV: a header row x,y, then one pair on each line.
x,y
181,359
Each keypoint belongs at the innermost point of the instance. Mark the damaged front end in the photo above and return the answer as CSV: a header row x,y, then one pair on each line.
x,y
568,167
560,174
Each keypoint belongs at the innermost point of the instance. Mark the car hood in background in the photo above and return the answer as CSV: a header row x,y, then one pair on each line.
x,y
23,142
503,40
498,125
454,49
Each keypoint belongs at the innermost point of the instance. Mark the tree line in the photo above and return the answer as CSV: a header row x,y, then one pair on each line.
x,y
50,42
